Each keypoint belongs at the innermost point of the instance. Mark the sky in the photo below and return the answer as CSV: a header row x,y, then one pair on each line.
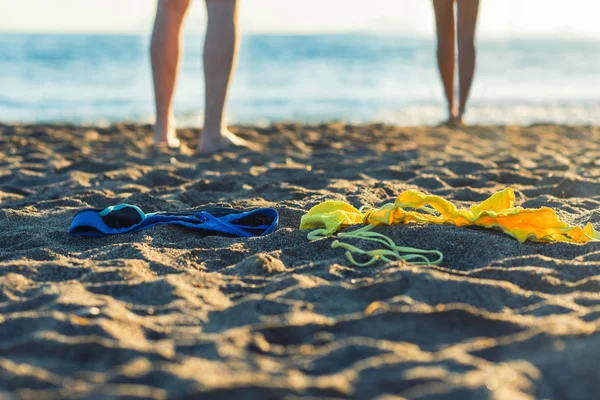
x,y
498,18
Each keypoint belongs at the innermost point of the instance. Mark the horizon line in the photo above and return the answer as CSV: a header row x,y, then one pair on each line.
x,y
308,34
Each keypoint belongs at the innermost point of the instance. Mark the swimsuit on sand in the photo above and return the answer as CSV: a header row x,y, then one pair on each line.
x,y
498,211
125,218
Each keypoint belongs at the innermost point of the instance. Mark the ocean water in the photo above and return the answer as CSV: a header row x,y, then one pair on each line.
x,y
358,78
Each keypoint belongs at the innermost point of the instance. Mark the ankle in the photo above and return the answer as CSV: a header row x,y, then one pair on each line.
x,y
452,112
214,130
165,132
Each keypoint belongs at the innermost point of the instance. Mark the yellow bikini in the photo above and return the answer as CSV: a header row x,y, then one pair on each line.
x,y
498,211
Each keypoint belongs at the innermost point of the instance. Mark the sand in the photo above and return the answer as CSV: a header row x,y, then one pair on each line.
x,y
166,313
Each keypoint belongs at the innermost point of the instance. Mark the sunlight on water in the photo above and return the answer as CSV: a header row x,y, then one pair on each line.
x,y
358,78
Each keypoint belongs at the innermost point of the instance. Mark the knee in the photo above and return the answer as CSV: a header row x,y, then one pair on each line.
x,y
445,46
466,45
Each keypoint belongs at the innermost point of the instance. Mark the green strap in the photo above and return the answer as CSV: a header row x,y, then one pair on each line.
x,y
390,253
316,234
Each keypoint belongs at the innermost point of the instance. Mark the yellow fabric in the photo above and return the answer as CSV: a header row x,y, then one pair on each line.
x,y
329,217
499,211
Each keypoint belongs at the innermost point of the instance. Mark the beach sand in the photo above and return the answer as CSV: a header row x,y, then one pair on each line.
x,y
166,313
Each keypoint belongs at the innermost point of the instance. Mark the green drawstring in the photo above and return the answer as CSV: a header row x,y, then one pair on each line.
x,y
316,235
389,254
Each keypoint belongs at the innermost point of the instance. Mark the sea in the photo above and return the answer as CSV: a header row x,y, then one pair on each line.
x,y
359,78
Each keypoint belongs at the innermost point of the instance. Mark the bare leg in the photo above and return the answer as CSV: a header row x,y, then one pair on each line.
x,y
164,54
467,20
220,51
444,17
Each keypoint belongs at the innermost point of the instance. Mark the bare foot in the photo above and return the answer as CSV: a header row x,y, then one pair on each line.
x,y
165,137
455,123
211,143
459,121
455,119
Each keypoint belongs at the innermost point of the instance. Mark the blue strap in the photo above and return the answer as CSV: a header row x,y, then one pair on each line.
x,y
122,219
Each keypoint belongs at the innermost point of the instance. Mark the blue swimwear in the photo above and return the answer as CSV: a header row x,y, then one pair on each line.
x,y
125,218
